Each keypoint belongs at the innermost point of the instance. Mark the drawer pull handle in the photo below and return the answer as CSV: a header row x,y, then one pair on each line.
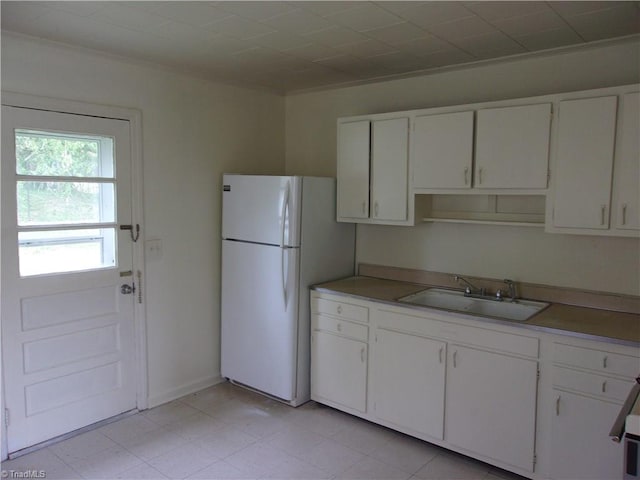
x,y
604,362
364,207
557,405
604,386
466,175
480,176
455,356
440,354
339,309
362,354
339,327
602,210
624,214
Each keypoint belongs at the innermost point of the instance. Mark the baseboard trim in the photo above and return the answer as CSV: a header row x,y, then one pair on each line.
x,y
169,395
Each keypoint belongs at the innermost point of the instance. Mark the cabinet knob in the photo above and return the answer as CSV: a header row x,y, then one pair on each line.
x,y
466,175
602,212
480,176
362,354
455,358
604,386
440,354
624,214
558,405
339,309
604,362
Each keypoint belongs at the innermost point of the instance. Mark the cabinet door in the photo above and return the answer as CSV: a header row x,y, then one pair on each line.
x,y
580,443
442,150
582,184
627,166
339,370
491,405
353,170
512,147
389,167
408,376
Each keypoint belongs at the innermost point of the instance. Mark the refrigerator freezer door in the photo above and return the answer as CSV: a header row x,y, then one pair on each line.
x,y
261,209
259,330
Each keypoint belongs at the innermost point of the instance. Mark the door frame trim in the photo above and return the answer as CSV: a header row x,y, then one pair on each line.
x,y
134,117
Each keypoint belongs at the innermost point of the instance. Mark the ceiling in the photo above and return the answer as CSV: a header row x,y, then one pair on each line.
x,y
298,45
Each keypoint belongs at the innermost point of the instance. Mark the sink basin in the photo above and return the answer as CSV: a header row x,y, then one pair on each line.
x,y
518,311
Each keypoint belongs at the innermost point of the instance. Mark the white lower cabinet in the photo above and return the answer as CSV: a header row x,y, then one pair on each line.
x,y
590,384
339,370
491,405
407,376
536,403
339,352
580,445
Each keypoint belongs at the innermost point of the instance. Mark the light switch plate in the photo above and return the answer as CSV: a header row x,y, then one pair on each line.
x,y
153,249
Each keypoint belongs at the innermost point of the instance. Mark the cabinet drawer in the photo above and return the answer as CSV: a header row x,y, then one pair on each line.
x,y
598,360
341,327
340,309
591,384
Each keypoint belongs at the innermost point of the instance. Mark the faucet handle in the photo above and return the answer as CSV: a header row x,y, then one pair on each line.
x,y
512,289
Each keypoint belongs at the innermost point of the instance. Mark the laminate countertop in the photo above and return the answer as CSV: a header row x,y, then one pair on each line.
x,y
591,323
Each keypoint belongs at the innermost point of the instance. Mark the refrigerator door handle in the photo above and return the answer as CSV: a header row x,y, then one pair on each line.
x,y
284,251
285,214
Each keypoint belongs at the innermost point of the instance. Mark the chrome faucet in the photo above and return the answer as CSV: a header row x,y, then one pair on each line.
x,y
470,289
512,289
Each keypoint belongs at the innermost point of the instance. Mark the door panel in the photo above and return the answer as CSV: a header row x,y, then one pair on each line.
x,y
353,169
389,164
68,341
586,137
443,150
259,316
409,381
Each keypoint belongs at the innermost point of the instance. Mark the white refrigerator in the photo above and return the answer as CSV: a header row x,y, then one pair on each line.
x,y
279,236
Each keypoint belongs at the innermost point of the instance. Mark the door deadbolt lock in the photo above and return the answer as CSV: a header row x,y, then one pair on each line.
x,y
127,289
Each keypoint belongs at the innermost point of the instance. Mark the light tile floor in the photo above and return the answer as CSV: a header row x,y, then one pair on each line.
x,y
226,432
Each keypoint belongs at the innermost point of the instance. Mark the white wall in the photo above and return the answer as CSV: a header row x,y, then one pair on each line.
x,y
193,131
525,254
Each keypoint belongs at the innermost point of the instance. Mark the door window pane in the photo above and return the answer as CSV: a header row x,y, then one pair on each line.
x,y
42,252
51,203
62,155
64,181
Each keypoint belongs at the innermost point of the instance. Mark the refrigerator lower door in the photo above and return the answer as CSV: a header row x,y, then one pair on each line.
x,y
260,317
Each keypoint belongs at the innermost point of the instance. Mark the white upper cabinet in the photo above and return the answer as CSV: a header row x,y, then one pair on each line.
x,y
373,162
353,170
442,150
512,147
389,164
584,162
626,193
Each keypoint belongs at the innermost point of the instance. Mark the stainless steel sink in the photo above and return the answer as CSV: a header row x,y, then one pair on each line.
x,y
518,311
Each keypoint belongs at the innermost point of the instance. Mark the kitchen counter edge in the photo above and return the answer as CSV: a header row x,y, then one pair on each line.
x,y
592,324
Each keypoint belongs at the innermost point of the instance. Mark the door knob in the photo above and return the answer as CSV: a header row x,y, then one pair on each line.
x,y
127,289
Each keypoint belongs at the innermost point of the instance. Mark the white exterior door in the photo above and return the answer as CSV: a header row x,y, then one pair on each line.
x,y
68,346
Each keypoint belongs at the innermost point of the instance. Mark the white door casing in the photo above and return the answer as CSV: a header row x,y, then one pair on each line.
x,y
72,346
